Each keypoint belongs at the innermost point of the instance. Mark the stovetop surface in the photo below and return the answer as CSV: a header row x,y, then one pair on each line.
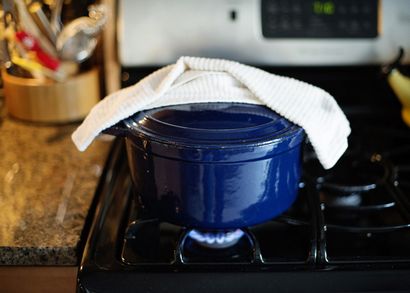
x,y
354,218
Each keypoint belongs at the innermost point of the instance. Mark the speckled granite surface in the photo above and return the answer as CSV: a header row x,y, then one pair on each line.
x,y
46,188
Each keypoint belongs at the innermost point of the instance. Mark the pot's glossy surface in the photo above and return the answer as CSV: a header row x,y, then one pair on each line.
x,y
214,166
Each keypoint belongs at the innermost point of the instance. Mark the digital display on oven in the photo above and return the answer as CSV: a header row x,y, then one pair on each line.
x,y
319,18
323,7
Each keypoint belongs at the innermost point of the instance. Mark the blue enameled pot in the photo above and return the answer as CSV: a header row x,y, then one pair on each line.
x,y
213,165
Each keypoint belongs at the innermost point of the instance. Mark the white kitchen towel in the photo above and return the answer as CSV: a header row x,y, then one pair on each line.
x,y
198,80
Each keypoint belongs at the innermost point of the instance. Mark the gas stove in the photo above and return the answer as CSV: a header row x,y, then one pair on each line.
x,y
348,231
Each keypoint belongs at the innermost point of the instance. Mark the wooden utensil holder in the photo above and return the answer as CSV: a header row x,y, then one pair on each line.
x,y
51,102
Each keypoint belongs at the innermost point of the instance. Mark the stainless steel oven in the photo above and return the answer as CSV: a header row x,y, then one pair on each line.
x,y
349,230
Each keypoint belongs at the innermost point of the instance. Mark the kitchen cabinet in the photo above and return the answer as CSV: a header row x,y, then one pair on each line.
x,y
38,279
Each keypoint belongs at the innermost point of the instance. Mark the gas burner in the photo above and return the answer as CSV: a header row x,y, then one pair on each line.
x,y
216,240
351,181
345,201
354,173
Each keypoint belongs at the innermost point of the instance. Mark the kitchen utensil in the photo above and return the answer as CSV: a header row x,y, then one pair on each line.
x,y
35,69
28,24
25,60
3,43
41,20
30,43
400,84
78,39
9,19
55,20
47,101
213,165
11,23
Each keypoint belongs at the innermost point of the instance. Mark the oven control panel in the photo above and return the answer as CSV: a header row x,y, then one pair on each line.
x,y
319,18
264,32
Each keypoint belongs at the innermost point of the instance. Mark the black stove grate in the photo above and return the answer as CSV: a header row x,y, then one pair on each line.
x,y
289,239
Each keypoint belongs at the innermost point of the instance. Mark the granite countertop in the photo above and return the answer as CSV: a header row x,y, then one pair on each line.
x,y
46,189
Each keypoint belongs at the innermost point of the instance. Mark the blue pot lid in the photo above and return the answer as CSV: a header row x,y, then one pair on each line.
x,y
213,124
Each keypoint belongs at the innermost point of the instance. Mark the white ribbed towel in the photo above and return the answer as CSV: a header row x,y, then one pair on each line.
x,y
198,80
